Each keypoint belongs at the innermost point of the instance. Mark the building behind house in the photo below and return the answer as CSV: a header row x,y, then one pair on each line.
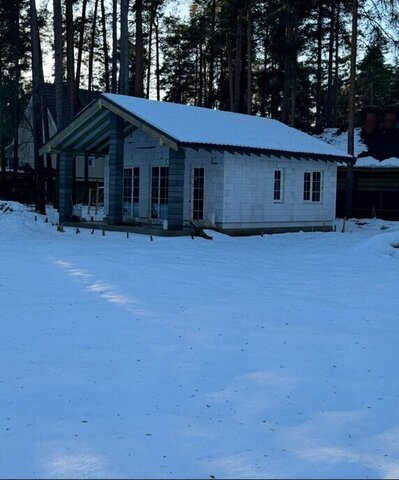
x,y
89,172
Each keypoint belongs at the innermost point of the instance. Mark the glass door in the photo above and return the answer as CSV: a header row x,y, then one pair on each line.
x,y
159,192
131,191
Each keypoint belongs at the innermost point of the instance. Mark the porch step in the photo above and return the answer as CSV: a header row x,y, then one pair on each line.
x,y
201,224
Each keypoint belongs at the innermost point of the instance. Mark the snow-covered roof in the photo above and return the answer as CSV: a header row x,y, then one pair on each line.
x,y
187,124
339,140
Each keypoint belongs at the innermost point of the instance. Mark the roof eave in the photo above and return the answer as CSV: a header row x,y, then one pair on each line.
x,y
268,151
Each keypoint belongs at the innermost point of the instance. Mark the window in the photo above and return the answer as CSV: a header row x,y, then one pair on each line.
x,y
278,184
198,194
131,191
312,186
127,185
159,192
91,162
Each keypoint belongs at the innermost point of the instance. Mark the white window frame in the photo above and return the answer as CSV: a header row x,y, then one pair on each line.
x,y
281,189
193,190
130,206
311,192
162,205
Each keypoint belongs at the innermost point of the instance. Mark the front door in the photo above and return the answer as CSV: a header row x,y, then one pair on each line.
x,y
198,193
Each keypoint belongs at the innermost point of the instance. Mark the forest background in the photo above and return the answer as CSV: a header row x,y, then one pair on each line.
x,y
287,59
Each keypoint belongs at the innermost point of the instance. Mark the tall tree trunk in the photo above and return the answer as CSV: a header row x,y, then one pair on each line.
x,y
204,72
2,136
351,111
351,105
16,111
200,75
92,43
105,46
70,60
329,99
114,86
37,66
196,77
237,69
319,64
211,100
157,64
263,89
58,78
231,80
290,68
336,68
80,50
58,64
249,60
288,61
15,162
124,49
149,58
139,61
293,94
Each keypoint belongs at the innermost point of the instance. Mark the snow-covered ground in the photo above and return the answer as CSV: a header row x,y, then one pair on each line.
x,y
272,356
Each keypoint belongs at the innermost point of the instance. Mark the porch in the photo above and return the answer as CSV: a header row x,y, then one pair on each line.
x,y
100,130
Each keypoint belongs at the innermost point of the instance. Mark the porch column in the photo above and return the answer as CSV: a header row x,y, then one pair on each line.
x,y
176,189
115,193
65,186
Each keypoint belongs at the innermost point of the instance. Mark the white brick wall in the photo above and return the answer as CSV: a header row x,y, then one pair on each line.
x,y
239,188
141,150
213,171
248,193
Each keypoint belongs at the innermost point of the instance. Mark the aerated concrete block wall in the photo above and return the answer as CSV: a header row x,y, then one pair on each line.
x,y
248,193
141,150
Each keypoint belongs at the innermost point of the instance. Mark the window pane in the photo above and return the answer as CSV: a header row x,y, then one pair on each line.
x,y
198,194
316,186
127,185
277,185
306,186
155,192
160,193
136,184
163,189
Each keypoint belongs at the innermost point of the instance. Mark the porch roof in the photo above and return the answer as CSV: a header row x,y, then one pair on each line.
x,y
186,126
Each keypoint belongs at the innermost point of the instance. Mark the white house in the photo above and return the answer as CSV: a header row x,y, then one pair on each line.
x,y
170,165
